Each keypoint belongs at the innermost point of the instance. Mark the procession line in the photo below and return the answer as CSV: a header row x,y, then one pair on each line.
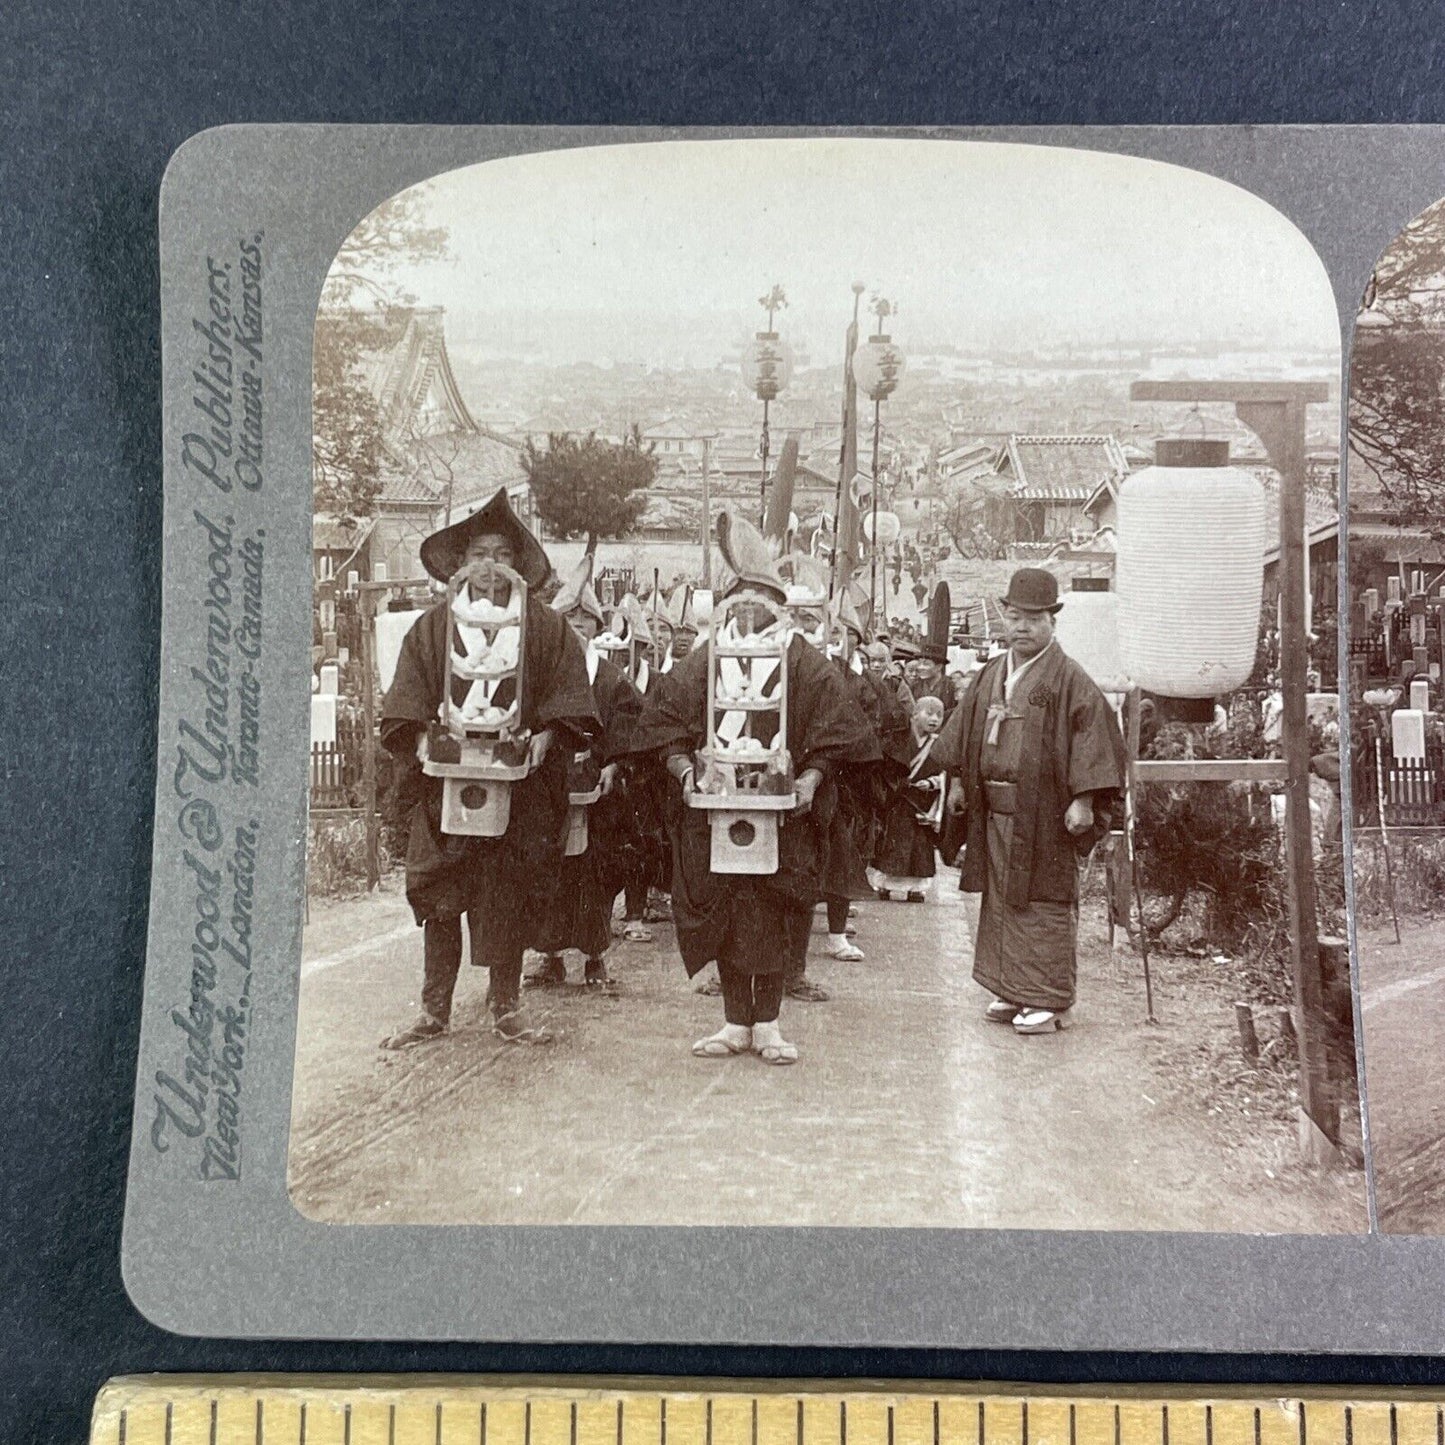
x,y
353,951
1389,992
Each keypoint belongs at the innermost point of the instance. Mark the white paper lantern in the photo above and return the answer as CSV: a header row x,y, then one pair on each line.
x,y
767,365
878,367
889,527
1088,631
1190,571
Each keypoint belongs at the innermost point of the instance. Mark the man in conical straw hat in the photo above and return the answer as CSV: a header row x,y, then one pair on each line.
x,y
502,886
580,916
744,922
1038,765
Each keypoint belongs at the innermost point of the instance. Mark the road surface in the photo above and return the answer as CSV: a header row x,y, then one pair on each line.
x,y
1402,1001
907,1108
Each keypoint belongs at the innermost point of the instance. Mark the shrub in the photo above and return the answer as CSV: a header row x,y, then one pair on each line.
x,y
336,857
1212,852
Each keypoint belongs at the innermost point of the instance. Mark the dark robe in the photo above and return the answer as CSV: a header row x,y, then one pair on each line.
x,y
741,920
906,844
581,912
1056,739
510,879
853,831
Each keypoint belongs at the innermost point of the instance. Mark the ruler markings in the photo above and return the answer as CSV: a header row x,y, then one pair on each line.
x,y
210,1412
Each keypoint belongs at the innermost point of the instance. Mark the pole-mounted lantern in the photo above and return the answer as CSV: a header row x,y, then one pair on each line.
x,y
767,369
877,369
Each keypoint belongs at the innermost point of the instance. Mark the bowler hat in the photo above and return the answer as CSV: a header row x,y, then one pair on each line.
x,y
1032,589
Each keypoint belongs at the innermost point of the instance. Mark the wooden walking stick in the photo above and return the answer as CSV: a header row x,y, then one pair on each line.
x,y
1130,798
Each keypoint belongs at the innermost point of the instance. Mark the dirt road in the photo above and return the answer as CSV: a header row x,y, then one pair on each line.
x,y
907,1109
1402,998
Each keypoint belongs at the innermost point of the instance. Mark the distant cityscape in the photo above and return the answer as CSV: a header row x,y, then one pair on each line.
x,y
1040,439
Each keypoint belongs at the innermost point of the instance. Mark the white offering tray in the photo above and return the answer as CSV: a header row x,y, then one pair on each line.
x,y
772,642
484,720
483,612
747,704
745,750
480,761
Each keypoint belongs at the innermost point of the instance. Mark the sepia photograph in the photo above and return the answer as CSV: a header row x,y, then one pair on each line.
x,y
825,700
1396,523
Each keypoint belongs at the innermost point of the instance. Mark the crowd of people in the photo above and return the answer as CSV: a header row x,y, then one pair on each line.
x,y
1010,767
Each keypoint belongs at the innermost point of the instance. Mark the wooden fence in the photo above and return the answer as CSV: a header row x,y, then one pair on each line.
x,y
336,769
1414,789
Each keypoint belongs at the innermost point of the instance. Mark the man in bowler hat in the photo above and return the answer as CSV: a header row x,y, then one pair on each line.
x,y
1038,764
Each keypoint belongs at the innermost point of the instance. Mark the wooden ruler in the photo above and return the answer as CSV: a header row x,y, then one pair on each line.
x,y
460,1410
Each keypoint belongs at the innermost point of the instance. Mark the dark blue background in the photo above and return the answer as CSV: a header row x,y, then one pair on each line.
x,y
93,99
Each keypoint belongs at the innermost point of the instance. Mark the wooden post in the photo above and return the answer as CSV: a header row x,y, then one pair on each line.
x,y
1281,426
367,649
1248,1034
1276,412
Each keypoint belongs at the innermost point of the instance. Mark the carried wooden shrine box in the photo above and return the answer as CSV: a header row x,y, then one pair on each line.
x,y
744,772
478,747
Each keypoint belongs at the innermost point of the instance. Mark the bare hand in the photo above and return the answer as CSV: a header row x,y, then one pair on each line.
x,y
805,788
422,751
957,797
1080,816
680,767
606,778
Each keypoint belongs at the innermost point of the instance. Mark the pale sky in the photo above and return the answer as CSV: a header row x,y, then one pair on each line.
x,y
658,251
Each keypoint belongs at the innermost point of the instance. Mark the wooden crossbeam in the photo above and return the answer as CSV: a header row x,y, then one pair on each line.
x,y
1211,770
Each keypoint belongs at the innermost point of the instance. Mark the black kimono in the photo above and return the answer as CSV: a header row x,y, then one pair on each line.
x,y
580,915
853,827
909,836
745,921
503,884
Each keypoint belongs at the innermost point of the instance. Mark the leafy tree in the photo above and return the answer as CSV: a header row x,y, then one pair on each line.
x,y
396,234
348,452
357,314
590,487
968,515
1397,373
